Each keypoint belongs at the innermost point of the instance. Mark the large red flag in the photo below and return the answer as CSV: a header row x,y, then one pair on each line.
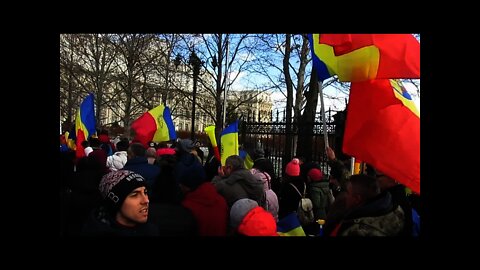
x,y
383,129
360,57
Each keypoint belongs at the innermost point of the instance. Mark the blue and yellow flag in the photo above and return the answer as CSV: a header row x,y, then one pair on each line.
x,y
290,226
229,141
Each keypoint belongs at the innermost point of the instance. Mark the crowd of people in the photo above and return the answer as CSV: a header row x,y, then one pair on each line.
x,y
123,188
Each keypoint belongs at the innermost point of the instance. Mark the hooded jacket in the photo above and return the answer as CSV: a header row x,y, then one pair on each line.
x,y
209,208
238,185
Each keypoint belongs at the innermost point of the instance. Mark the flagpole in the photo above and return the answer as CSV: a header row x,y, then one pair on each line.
x,y
352,165
226,85
324,121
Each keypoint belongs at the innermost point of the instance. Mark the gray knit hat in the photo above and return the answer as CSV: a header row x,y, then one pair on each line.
x,y
185,145
239,210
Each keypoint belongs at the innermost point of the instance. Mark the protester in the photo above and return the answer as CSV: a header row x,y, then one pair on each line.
x,y
235,182
124,211
249,219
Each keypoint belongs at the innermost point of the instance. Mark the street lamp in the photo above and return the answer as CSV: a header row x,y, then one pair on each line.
x,y
195,62
170,74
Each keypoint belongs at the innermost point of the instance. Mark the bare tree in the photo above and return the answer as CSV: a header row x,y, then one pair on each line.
x,y
89,66
134,67
69,95
219,70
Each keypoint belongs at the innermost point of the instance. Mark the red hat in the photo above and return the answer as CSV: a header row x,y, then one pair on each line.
x,y
293,167
258,222
315,174
103,138
165,151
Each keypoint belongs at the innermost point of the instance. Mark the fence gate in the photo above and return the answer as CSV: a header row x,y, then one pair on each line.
x,y
272,137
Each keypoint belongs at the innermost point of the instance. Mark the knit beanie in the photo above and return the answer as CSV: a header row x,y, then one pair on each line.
x,y
315,174
239,210
165,151
103,138
258,222
293,167
185,145
115,187
189,172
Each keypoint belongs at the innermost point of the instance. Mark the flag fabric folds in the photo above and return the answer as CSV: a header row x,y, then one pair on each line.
x,y
290,226
229,141
84,124
360,57
70,137
383,128
248,161
156,125
210,130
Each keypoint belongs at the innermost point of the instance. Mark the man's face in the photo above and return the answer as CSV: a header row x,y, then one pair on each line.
x,y
134,209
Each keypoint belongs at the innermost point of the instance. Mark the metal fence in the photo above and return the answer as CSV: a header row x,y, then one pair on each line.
x,y
272,138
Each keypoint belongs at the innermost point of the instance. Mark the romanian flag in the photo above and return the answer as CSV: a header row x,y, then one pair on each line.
x,y
84,124
383,129
155,125
229,141
290,226
360,57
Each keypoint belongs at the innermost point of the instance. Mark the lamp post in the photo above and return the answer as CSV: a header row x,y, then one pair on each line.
x,y
195,62
170,74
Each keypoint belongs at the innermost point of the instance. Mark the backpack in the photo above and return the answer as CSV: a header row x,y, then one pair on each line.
x,y
305,207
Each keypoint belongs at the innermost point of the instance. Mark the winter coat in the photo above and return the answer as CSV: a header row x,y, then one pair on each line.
x,y
209,208
318,193
140,165
238,185
270,195
100,223
378,217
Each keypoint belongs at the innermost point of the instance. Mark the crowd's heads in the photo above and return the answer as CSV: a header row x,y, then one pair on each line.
x,y
247,218
94,142
122,144
88,150
235,162
341,174
103,138
361,188
136,150
185,145
165,151
315,174
293,167
239,210
151,152
115,186
191,174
